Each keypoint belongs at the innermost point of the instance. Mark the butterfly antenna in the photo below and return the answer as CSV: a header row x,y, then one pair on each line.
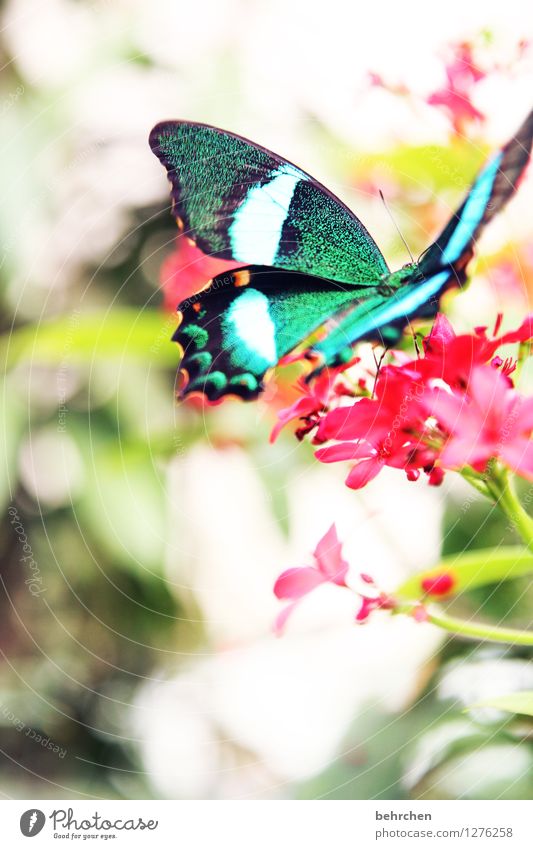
x,y
415,340
378,364
400,234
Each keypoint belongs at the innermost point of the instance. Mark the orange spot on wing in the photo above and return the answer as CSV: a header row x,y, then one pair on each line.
x,y
241,278
182,379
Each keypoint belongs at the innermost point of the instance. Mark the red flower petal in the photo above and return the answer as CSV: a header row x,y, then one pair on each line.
x,y
344,451
519,457
439,336
297,582
328,554
524,333
364,472
353,422
301,408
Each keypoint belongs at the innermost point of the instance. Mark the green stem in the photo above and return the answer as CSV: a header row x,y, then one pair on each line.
x,y
478,567
477,630
507,500
475,480
497,485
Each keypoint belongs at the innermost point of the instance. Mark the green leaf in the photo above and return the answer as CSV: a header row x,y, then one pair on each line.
x,y
84,337
472,569
521,702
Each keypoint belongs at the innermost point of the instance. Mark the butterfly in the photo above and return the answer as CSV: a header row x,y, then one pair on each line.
x,y
307,261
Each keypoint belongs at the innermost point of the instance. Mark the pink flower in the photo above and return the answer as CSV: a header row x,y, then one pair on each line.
x,y
317,396
330,567
387,430
294,584
452,358
407,424
462,75
411,423
374,454
187,270
440,335
490,420
378,601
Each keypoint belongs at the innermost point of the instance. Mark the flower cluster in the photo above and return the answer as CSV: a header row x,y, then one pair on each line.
x,y
316,398
453,406
329,567
462,75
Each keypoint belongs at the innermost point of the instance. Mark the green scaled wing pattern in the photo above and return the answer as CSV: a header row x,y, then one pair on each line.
x,y
241,202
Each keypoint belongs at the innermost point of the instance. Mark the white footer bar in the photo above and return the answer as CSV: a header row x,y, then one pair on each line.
x,y
269,824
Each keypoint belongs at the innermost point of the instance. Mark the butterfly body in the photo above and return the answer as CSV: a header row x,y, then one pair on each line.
x,y
307,261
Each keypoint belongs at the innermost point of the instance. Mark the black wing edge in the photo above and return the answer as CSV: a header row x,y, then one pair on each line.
x,y
515,156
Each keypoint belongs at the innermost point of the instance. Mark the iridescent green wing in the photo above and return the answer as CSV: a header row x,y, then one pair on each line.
x,y
382,316
415,291
239,201
240,326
